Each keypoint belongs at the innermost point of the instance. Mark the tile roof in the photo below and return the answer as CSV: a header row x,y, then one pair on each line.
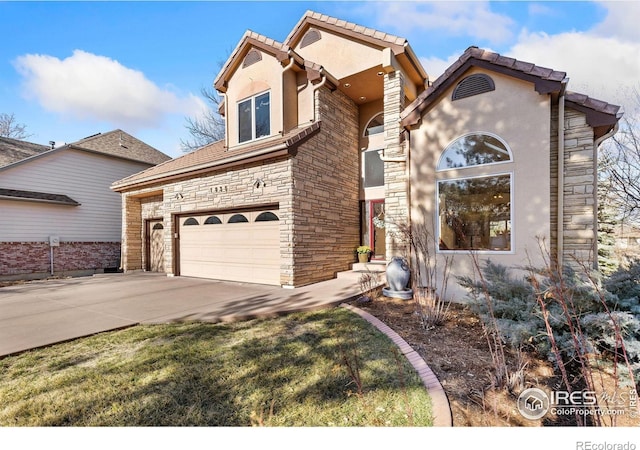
x,y
215,154
123,145
250,36
365,32
545,80
13,194
593,104
600,115
14,150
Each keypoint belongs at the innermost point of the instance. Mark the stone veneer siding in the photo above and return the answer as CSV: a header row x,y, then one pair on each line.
x,y
215,191
34,258
326,228
396,181
580,215
316,190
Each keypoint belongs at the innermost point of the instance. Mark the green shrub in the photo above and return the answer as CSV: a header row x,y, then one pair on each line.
x,y
517,311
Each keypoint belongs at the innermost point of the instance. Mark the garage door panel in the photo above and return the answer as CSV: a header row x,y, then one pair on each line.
x,y
241,251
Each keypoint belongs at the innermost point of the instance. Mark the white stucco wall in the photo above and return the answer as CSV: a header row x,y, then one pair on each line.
x,y
521,117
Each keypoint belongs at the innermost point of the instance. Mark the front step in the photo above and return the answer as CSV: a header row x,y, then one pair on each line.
x,y
358,269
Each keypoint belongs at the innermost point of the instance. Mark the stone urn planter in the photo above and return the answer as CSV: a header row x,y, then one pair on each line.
x,y
398,276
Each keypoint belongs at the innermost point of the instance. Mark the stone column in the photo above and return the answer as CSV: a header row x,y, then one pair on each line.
x,y
395,166
132,244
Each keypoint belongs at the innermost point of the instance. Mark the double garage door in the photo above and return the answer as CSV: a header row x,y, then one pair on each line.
x,y
240,246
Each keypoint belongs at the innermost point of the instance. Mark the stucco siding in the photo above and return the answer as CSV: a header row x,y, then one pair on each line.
x,y
341,56
84,177
519,116
265,75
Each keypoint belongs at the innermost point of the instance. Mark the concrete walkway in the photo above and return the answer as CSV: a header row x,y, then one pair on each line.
x,y
42,313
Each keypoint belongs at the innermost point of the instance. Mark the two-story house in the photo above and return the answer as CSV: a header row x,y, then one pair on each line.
x,y
336,136
58,215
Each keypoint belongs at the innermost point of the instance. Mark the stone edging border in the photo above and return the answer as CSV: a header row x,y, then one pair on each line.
x,y
440,403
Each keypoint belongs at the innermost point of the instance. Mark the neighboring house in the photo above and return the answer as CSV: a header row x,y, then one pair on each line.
x,y
627,242
58,213
337,136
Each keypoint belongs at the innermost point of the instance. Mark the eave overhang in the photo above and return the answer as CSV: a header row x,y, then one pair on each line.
x,y
285,146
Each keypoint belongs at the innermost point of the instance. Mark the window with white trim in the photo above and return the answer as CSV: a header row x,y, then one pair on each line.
x,y
254,117
474,212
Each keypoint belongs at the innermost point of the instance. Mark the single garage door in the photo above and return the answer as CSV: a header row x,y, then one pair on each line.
x,y
242,246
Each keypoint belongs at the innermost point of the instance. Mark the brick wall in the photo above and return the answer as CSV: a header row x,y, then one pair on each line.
x,y
24,258
326,192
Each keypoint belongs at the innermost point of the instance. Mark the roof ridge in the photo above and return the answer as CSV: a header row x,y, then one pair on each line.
x,y
346,25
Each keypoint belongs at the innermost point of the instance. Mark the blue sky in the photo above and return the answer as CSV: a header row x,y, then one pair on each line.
x,y
72,69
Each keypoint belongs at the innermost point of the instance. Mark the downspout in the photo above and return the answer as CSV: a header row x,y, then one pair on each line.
x,y
560,193
596,146
284,70
315,89
226,116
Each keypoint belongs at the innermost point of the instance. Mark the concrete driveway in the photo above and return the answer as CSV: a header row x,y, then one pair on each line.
x,y
42,313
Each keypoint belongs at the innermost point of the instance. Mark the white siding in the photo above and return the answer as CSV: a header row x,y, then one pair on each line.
x,y
83,176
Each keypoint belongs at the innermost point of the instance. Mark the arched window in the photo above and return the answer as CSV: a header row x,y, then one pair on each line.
x,y
375,125
191,221
474,149
474,212
158,226
212,220
266,217
237,218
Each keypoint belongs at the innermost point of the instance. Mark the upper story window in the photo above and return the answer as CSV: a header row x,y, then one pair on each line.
x,y
254,117
474,149
372,169
375,125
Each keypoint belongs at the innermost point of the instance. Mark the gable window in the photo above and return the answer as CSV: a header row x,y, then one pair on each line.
x,y
473,85
474,212
254,117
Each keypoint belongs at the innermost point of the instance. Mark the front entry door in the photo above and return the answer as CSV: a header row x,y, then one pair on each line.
x,y
373,230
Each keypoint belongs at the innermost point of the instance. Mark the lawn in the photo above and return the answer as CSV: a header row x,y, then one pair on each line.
x,y
324,368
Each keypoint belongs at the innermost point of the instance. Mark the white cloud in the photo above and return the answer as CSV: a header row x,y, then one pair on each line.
x,y
93,87
539,9
603,62
621,21
602,67
474,19
436,66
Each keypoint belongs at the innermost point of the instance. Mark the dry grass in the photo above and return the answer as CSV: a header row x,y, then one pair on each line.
x,y
288,371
